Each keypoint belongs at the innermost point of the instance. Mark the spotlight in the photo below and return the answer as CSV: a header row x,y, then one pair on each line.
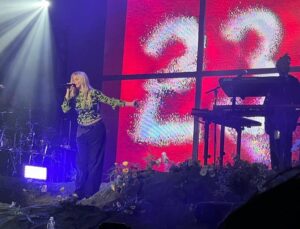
x,y
44,4
35,172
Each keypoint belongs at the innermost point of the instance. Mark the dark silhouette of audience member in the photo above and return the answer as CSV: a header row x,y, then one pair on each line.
x,y
281,115
278,207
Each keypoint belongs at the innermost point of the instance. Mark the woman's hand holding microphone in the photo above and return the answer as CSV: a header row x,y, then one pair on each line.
x,y
70,93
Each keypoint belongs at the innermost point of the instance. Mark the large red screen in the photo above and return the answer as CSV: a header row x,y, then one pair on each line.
x,y
161,36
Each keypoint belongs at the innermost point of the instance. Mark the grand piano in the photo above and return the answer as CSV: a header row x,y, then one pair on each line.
x,y
234,115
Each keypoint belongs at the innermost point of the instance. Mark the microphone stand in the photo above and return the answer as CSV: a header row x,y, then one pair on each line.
x,y
215,91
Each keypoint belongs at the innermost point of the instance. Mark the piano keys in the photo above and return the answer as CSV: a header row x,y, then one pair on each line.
x,y
252,110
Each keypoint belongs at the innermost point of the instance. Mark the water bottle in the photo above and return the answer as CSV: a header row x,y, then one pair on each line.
x,y
51,223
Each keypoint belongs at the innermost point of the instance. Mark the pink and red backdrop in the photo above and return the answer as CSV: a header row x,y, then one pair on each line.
x,y
162,36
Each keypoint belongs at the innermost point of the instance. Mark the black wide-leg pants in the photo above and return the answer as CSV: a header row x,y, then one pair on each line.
x,y
89,158
280,149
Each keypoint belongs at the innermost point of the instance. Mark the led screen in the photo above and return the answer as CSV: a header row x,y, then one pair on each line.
x,y
245,35
251,34
162,123
161,36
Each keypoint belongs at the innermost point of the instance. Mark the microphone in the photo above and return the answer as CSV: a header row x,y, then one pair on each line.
x,y
69,85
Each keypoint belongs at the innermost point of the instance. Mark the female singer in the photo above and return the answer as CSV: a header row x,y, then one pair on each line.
x,y
91,133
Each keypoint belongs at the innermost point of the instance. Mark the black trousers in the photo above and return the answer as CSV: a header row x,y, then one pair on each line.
x,y
280,150
89,159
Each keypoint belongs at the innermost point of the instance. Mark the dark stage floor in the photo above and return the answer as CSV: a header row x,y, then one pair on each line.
x,y
188,196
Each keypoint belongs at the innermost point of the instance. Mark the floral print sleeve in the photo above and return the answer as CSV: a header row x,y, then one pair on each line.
x,y
89,113
110,101
65,105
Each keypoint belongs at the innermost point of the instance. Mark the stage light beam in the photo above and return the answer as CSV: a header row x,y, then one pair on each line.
x,y
26,58
45,4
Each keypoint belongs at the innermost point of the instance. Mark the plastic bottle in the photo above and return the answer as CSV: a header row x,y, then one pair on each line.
x,y
51,223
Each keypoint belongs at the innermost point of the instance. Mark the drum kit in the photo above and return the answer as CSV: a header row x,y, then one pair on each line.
x,y
23,142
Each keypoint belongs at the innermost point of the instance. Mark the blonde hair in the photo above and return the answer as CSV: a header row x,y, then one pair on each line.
x,y
85,88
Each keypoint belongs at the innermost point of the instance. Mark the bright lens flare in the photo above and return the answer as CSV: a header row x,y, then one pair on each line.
x,y
44,4
26,32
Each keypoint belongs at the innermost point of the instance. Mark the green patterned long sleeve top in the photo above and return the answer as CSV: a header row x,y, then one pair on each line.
x,y
88,113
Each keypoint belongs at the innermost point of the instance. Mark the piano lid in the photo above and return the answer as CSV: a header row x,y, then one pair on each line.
x,y
249,86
